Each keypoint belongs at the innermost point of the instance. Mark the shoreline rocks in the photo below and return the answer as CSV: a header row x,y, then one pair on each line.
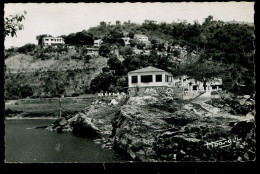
x,y
155,133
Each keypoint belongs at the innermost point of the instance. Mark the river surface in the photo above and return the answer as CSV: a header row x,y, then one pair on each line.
x,y
24,144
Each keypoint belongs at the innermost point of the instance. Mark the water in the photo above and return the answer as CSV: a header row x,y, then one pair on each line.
x,y
23,144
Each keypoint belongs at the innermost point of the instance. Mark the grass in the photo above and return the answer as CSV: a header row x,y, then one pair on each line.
x,y
47,107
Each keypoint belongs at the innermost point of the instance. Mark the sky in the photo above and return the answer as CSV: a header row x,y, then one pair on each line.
x,y
64,18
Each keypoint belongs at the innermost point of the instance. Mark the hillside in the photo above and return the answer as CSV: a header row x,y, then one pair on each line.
x,y
47,78
202,51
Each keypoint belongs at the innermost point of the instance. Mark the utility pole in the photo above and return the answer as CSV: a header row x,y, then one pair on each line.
x,y
60,107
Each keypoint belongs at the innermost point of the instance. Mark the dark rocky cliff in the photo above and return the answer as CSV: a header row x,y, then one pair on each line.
x,y
156,130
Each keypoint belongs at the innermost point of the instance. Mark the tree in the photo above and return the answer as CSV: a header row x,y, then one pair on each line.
x,y
130,35
140,45
80,38
12,23
102,82
118,23
114,37
104,50
103,24
203,71
27,48
116,66
132,43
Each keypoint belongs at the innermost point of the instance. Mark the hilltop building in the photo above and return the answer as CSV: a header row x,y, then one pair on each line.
x,y
52,40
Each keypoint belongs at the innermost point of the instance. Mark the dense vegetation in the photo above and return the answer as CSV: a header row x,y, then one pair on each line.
x,y
223,50
213,49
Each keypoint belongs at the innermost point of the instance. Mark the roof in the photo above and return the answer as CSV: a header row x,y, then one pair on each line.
x,y
97,41
147,69
52,37
140,35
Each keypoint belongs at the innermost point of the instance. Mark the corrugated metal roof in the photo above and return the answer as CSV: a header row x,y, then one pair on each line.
x,y
147,69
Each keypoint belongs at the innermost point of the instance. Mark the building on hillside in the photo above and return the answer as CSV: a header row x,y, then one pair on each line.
x,y
181,86
92,51
141,38
52,40
190,84
126,40
97,43
149,77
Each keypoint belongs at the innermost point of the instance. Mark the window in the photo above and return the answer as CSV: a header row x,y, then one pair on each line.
x,y
134,79
170,78
158,78
166,78
147,78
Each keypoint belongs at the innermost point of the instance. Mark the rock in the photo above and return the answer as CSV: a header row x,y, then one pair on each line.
x,y
242,128
83,125
141,100
63,121
208,114
242,101
250,114
239,158
246,96
246,156
113,102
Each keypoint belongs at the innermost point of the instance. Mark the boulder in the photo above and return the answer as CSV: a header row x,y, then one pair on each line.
x,y
246,96
113,102
83,125
250,114
63,121
242,101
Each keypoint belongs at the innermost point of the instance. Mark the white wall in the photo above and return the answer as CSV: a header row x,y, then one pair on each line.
x,y
149,84
54,41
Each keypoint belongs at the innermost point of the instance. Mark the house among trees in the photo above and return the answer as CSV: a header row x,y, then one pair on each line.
x,y
52,41
140,38
92,51
190,84
97,43
182,86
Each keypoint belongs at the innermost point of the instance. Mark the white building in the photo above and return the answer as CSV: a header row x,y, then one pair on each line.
x,y
97,43
92,51
189,84
141,38
149,77
52,40
182,86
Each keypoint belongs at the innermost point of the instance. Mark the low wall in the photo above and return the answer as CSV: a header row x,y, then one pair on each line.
x,y
150,91
171,91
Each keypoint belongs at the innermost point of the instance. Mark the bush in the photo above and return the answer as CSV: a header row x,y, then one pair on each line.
x,y
104,50
26,48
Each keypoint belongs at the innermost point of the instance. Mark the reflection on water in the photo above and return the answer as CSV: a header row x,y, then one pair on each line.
x,y
23,144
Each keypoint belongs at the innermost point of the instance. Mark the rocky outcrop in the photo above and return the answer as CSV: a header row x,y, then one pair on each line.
x,y
177,130
235,104
93,119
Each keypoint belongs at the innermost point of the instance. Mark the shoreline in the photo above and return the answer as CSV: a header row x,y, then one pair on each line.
x,y
30,118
